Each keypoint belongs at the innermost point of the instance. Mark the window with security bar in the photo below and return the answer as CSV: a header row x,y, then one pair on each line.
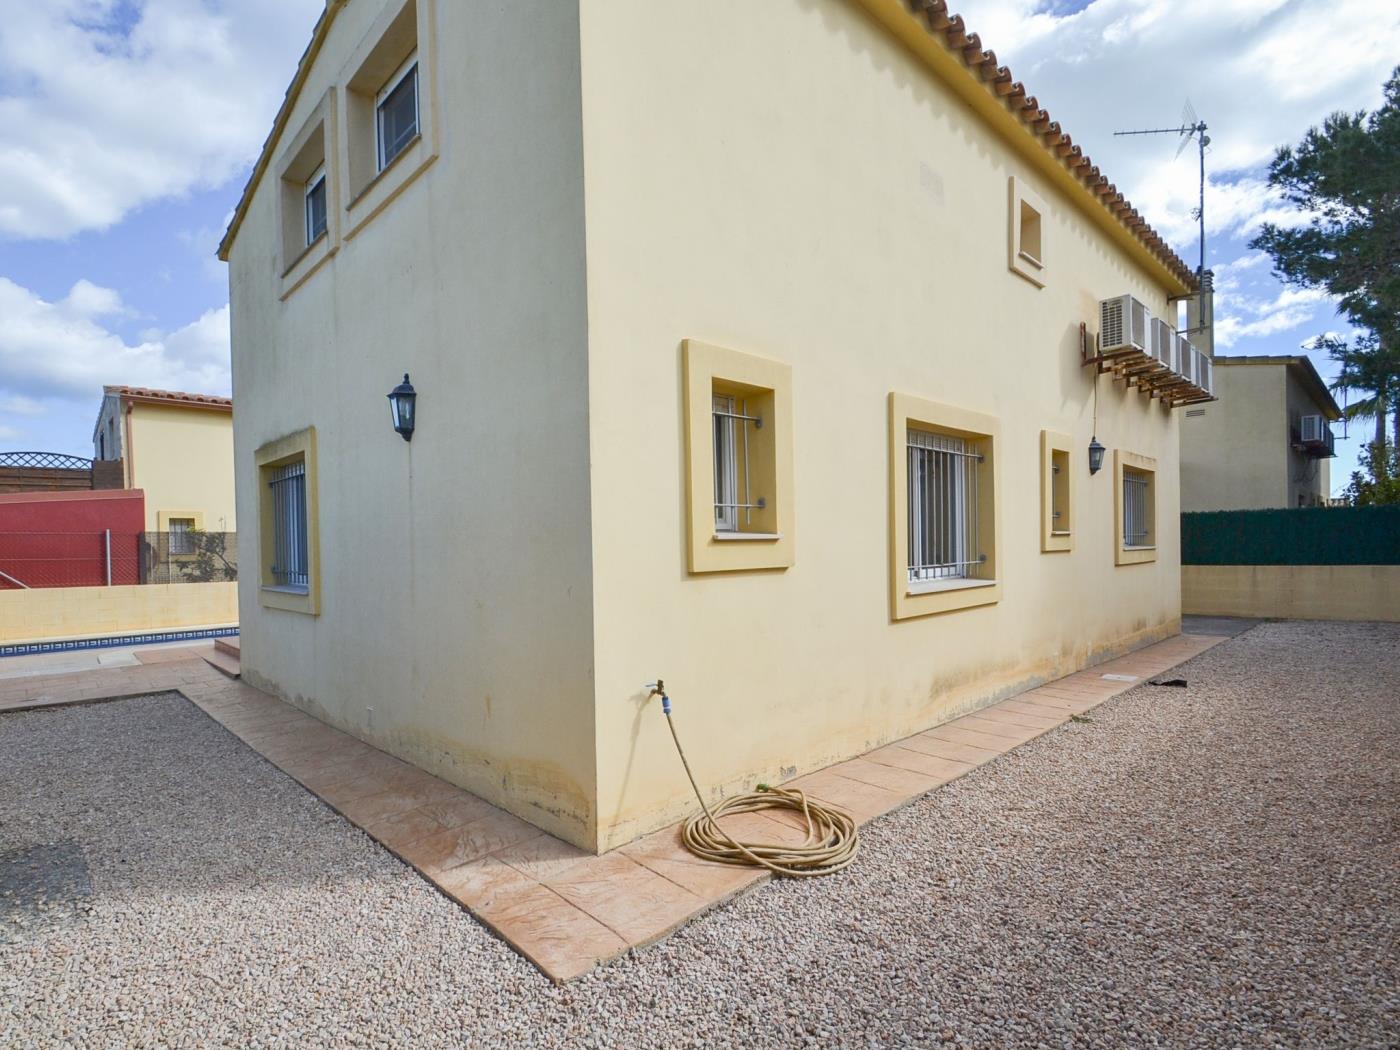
x,y
739,503
290,560
944,473
181,540
1137,509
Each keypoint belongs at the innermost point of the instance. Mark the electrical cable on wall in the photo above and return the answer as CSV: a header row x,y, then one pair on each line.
x,y
832,839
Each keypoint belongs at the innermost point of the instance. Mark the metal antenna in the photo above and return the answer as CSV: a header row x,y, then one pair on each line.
x,y
1191,127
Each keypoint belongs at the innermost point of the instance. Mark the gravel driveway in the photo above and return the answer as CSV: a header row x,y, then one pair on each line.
x,y
1208,866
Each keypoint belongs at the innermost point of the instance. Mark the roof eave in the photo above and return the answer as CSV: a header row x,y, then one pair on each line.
x,y
318,37
927,29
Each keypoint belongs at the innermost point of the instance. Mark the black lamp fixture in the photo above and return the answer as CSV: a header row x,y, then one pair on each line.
x,y
1096,452
401,404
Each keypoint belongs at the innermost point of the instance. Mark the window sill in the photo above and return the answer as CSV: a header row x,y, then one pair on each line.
x,y
938,586
1149,547
1026,256
304,253
731,537
276,588
1060,532
385,171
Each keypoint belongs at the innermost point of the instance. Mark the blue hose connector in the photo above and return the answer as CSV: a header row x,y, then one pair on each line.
x,y
665,705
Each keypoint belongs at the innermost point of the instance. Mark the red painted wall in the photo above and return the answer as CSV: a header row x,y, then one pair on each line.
x,y
56,539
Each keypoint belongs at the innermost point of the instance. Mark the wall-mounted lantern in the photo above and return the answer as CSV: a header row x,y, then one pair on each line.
x,y
1096,452
401,404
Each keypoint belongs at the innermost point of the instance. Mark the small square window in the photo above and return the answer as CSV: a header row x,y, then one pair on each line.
x,y
1026,236
396,113
316,206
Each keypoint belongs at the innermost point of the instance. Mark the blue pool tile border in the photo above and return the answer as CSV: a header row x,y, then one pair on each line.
x,y
115,640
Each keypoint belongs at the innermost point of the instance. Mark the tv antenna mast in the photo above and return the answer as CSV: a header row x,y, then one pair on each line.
x,y
1191,127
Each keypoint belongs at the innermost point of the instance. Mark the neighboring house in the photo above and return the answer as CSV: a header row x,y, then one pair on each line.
x,y
1265,443
748,344
176,447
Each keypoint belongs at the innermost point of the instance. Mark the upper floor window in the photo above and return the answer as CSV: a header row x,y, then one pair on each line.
x,y
396,112
316,206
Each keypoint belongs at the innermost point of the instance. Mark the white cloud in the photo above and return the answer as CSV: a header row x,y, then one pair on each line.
x,y
60,350
102,111
1240,317
1259,72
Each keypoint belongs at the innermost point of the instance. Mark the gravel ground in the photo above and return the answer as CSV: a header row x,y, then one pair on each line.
x,y
1208,866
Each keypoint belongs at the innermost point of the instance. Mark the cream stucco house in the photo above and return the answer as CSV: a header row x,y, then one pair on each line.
x,y
748,342
1267,441
178,449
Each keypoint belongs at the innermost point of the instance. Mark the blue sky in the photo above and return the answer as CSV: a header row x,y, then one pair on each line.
x,y
127,129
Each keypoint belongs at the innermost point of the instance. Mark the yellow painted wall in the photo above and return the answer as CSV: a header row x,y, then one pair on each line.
x,y
1292,592
781,179
183,459
48,613
785,180
454,606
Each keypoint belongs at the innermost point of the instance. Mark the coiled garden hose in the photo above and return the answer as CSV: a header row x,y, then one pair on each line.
x,y
832,837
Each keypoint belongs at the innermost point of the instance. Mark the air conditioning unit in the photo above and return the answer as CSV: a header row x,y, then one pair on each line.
x,y
1162,344
1184,350
1123,325
1313,430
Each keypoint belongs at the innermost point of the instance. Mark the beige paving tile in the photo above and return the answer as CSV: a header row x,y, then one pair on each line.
x,y
542,857
862,801
556,936
1019,715
631,900
980,723
955,735
1041,710
970,753
404,794
482,884
943,769
905,781
664,853
471,841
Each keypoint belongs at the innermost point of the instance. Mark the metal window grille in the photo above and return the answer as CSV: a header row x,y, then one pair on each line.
x,y
1137,529
181,542
290,564
732,490
943,508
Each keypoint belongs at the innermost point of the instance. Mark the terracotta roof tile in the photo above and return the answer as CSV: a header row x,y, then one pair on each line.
x,y
998,80
178,397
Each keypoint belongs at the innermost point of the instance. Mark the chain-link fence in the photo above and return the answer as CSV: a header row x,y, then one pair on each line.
x,y
109,558
189,557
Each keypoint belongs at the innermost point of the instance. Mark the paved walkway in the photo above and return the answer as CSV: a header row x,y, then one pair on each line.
x,y
564,909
